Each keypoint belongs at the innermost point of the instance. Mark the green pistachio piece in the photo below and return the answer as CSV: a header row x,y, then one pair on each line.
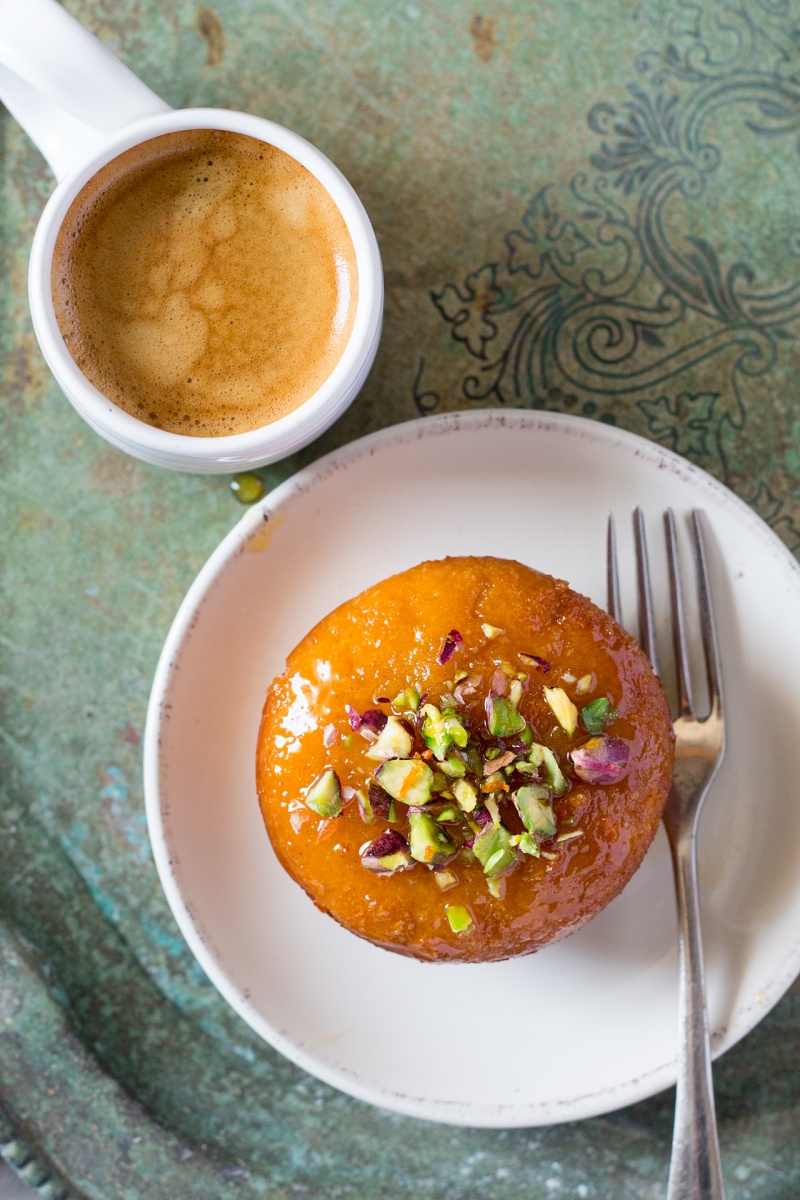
x,y
496,886
427,841
528,845
394,741
543,756
407,699
515,692
492,809
491,631
324,797
533,806
365,806
503,719
459,919
493,849
563,709
449,815
406,779
465,794
598,714
455,730
441,730
445,878
453,767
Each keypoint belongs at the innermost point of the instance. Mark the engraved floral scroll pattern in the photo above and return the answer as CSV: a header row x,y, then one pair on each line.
x,y
606,300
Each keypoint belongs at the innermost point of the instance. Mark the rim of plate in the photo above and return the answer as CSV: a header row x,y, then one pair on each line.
x,y
591,1103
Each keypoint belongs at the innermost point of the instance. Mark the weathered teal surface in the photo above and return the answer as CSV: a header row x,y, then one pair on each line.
x,y
583,207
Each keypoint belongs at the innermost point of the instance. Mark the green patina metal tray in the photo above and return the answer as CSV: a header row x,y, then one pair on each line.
x,y
582,208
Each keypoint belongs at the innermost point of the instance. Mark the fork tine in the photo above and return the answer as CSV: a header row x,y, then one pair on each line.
x,y
685,708
647,637
707,622
612,571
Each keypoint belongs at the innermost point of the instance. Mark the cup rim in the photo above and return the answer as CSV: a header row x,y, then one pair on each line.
x,y
268,442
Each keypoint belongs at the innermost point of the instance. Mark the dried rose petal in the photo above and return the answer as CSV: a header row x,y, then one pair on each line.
x,y
374,719
602,759
451,644
482,816
352,716
382,700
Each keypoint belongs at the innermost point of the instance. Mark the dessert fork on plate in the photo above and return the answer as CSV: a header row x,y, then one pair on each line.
x,y
695,1170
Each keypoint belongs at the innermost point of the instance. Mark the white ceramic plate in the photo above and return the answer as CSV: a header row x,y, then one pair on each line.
x,y
586,1025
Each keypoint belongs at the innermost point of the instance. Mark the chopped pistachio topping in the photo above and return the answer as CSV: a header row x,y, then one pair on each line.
x,y
536,814
567,837
427,841
493,849
441,730
406,779
407,699
387,854
365,806
395,740
449,814
437,752
528,845
459,919
543,756
492,809
453,767
562,708
502,717
598,714
465,794
445,878
324,797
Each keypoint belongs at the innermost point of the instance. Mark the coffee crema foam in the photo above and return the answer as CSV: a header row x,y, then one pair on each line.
x,y
205,282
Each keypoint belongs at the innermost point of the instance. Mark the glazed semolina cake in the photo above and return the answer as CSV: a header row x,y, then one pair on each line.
x,y
465,762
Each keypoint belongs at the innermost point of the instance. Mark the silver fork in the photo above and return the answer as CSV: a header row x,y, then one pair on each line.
x,y
695,1171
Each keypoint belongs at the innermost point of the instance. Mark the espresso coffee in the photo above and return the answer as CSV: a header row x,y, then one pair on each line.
x,y
205,282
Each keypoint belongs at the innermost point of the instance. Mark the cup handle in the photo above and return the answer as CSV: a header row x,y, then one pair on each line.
x,y
64,87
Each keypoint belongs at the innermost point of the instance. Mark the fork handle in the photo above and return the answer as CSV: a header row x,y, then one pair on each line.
x,y
695,1171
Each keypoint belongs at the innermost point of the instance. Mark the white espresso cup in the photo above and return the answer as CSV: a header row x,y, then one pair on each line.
x,y
82,107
